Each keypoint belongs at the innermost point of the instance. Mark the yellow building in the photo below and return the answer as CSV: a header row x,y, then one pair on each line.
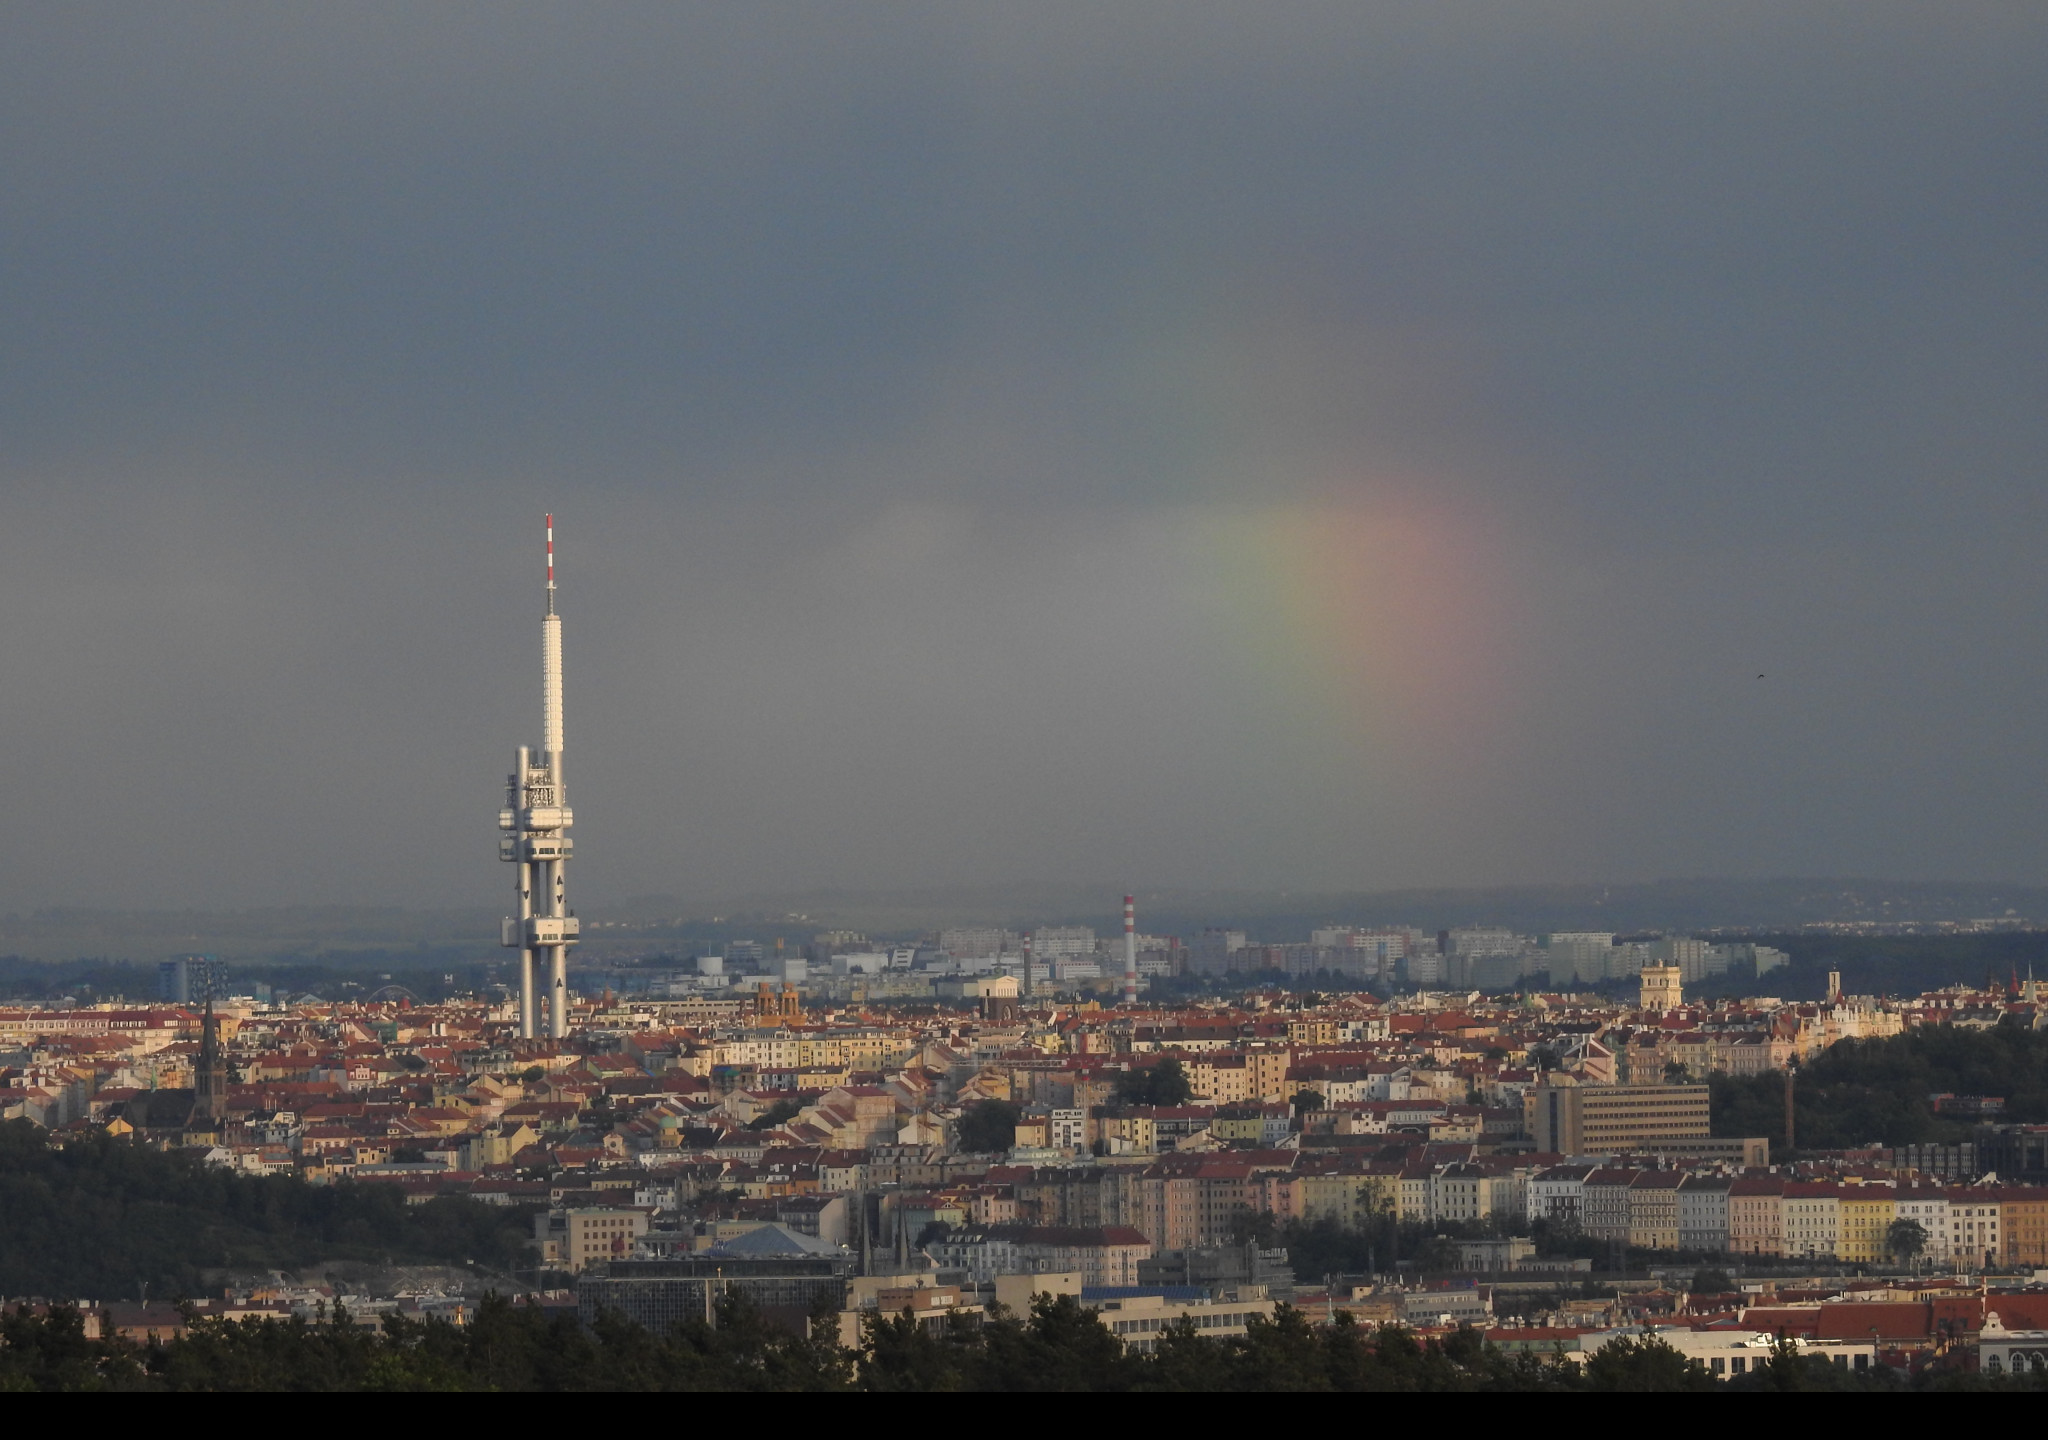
x,y
1126,1132
1266,1072
1863,1215
2026,1225
1347,1199
573,1239
1238,1125
1379,1189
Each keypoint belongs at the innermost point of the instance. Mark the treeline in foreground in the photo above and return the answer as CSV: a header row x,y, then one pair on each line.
x,y
1059,1346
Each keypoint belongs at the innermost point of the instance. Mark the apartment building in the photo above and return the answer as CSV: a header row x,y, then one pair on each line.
x,y
1604,1206
1138,1321
572,1240
1570,1119
1928,1206
1703,1213
1813,1220
1653,1209
2024,1210
1558,1194
1975,1237
1756,1218
1866,1213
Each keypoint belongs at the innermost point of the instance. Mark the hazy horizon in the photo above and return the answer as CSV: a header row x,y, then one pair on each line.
x,y
1326,447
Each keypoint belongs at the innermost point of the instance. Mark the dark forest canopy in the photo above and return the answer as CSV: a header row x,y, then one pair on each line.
x,y
1862,1092
99,1218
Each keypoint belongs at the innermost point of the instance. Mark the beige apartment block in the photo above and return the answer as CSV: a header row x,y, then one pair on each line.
x,y
1567,1119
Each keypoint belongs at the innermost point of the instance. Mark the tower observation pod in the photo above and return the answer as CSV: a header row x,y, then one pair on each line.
x,y
535,820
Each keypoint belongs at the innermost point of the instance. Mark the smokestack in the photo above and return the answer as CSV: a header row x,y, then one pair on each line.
x,y
1027,967
1791,1074
1130,949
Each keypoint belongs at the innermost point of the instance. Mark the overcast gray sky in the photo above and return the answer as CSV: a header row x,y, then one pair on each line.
x,y
1345,446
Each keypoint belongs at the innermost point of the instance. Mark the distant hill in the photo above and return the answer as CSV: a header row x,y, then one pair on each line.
x,y
1288,915
370,935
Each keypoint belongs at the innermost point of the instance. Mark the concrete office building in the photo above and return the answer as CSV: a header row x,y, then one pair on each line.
x,y
1580,955
1568,1119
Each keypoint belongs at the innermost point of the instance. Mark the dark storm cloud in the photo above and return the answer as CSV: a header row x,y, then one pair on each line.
x,y
896,370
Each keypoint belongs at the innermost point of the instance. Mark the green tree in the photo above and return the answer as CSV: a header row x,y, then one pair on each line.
x,y
1644,1365
781,1112
1906,1239
899,1354
1790,1368
989,1127
51,1352
1163,1084
1063,1346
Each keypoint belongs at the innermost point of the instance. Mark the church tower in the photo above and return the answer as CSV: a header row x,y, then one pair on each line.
x,y
210,1078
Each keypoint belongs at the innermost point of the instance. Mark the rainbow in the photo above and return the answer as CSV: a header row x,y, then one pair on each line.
x,y
1382,614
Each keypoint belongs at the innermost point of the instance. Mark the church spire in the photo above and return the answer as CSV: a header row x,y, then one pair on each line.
x,y
210,1081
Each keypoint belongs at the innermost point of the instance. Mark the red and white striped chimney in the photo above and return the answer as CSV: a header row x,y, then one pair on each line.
x,y
1130,949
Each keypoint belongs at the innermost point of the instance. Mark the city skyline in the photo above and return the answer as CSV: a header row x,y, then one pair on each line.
x,y
1322,698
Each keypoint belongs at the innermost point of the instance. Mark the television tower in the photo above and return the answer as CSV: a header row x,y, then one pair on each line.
x,y
536,815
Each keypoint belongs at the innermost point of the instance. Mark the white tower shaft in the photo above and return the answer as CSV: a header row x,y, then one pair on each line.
x,y
537,815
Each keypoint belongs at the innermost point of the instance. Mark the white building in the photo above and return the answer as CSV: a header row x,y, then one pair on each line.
x,y
976,942
1580,955
865,962
1558,1194
1703,1213
1930,1208
1057,942
1973,1229
2010,1352
1213,951
1813,1222
1471,1193
1692,957
1483,940
1728,1353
